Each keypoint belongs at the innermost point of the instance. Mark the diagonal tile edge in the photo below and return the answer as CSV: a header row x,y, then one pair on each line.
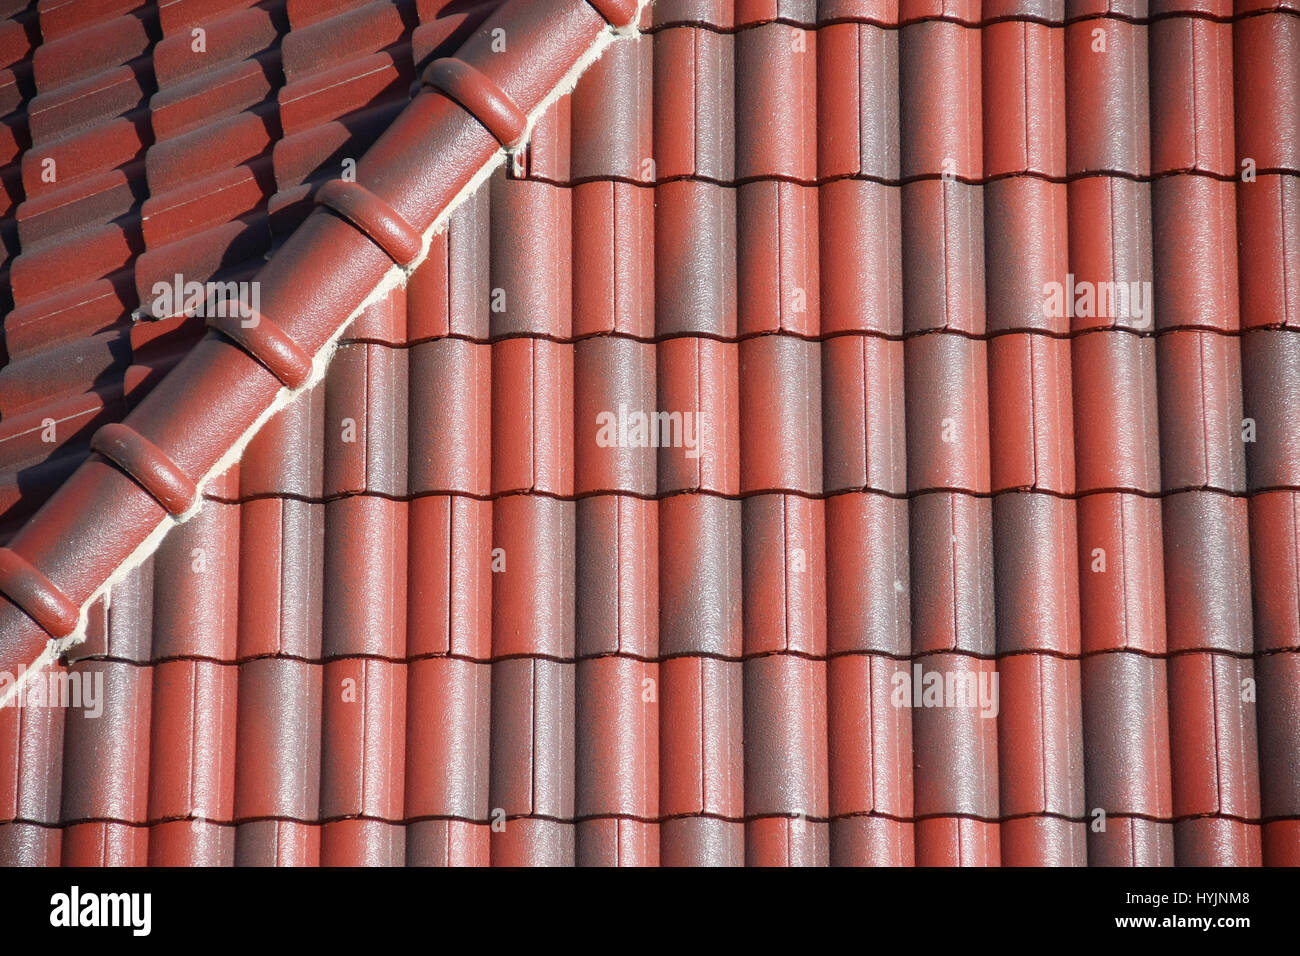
x,y
20,652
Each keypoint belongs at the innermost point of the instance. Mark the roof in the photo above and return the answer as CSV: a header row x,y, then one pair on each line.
x,y
223,116
369,225
720,438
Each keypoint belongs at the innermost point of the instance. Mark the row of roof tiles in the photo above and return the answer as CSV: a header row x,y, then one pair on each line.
x,y
60,19
1111,752
833,126
1012,97
1182,271
847,256
698,574
733,14
777,413
1107,411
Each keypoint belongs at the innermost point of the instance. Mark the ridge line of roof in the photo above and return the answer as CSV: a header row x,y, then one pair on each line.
x,y
102,523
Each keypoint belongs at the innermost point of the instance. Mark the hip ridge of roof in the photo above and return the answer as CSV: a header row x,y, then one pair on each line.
x,y
113,512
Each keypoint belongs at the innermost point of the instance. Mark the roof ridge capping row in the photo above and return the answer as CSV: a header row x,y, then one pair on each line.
x,y
198,417
267,342
149,465
24,584
379,221
481,97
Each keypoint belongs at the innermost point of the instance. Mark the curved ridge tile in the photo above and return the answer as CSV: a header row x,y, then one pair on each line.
x,y
148,464
484,100
269,344
374,217
31,590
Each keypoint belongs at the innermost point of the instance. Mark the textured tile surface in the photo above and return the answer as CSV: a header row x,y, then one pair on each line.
x,y
726,441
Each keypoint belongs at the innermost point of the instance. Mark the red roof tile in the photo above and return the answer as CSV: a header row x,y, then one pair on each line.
x,y
719,439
